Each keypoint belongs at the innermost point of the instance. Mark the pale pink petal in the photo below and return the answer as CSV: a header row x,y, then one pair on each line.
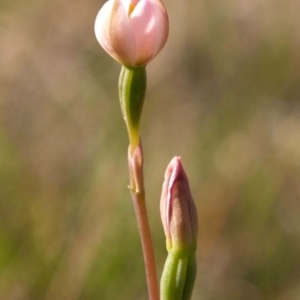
x,y
143,25
166,196
121,35
174,164
132,31
102,26
128,4
161,26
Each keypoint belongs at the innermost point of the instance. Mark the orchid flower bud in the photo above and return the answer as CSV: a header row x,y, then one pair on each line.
x,y
132,31
177,209
180,222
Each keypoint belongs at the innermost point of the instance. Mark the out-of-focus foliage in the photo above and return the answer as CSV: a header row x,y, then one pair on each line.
x,y
224,94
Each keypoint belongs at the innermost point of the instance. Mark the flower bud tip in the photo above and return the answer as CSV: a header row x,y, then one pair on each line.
x,y
178,210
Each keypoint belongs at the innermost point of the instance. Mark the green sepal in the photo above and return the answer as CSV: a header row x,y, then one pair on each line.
x,y
191,272
178,276
132,89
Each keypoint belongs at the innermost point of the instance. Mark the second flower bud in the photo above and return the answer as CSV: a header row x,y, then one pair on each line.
x,y
178,210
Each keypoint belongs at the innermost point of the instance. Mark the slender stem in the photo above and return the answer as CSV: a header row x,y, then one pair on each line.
x,y
146,239
135,163
132,88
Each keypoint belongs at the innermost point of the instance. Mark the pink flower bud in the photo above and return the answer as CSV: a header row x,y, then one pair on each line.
x,y
177,209
132,31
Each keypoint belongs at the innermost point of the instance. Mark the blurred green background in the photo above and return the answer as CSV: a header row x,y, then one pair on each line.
x,y
224,94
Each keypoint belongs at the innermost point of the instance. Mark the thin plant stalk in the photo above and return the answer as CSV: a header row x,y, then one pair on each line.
x,y
139,203
146,240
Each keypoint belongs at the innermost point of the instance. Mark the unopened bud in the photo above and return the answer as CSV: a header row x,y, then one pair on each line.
x,y
133,32
177,209
180,221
